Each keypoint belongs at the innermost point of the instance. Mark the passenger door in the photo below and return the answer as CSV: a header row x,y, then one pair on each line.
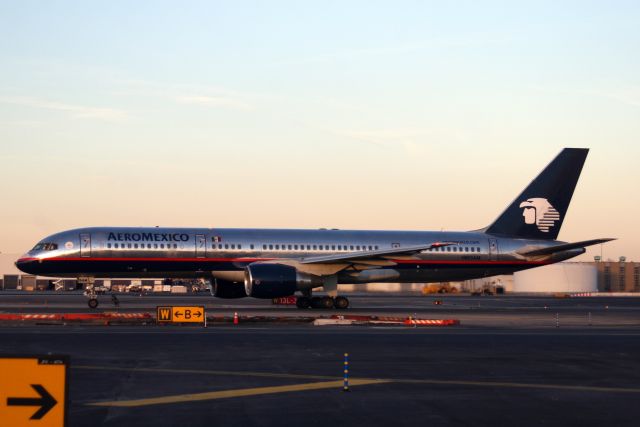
x,y
493,249
85,245
201,246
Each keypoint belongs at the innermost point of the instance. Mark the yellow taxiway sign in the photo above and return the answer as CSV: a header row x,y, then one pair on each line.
x,y
33,390
180,314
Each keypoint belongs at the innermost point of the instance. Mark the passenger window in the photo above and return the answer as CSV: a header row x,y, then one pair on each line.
x,y
289,247
175,246
358,247
315,247
277,247
108,245
233,246
448,249
270,247
295,247
351,247
161,245
455,249
370,248
308,247
239,246
251,246
135,246
155,246
226,246
129,245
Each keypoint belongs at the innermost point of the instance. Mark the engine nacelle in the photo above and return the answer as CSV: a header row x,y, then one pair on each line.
x,y
228,290
276,280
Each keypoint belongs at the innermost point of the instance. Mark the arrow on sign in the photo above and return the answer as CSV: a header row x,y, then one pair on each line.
x,y
45,401
178,313
197,314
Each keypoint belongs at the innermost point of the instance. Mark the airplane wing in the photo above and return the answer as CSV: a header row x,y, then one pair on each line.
x,y
563,247
379,254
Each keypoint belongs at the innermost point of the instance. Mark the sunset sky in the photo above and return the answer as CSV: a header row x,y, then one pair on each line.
x,y
360,114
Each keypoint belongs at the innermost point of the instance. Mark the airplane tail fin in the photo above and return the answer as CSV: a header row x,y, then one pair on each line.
x,y
538,212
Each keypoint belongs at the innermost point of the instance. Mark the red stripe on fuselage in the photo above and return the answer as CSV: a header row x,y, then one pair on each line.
x,y
402,261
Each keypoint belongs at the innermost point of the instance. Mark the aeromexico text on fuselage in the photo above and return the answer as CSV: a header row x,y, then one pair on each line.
x,y
148,237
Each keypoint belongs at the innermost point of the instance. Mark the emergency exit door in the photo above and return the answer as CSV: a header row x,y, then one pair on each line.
x,y
85,245
201,246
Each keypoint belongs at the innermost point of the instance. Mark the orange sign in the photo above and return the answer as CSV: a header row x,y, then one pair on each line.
x,y
180,314
33,390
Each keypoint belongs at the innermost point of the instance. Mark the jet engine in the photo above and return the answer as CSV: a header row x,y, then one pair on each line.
x,y
276,280
228,290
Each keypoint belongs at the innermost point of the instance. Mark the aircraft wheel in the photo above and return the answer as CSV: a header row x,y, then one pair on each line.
x,y
303,302
341,303
326,302
93,303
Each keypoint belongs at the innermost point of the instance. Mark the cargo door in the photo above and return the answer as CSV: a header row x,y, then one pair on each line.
x,y
493,249
201,246
85,245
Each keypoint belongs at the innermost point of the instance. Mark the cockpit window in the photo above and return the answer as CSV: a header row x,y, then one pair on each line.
x,y
45,247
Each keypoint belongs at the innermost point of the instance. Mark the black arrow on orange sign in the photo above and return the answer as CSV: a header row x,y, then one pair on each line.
x,y
178,313
45,401
197,314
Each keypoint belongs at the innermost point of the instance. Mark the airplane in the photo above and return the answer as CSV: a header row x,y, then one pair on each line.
x,y
269,263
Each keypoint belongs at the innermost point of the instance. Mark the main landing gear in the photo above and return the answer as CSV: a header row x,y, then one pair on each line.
x,y
326,302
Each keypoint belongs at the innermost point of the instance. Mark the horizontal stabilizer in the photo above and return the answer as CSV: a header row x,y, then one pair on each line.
x,y
563,247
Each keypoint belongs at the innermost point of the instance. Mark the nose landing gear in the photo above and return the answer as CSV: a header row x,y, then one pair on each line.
x,y
90,291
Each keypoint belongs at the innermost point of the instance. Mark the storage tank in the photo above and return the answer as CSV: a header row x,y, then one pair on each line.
x,y
560,277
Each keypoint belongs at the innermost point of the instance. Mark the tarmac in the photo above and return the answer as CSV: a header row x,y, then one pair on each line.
x,y
510,361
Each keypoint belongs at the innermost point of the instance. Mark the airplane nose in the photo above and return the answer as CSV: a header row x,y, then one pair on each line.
x,y
26,264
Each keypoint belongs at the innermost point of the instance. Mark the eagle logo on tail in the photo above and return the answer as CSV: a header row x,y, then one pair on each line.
x,y
539,211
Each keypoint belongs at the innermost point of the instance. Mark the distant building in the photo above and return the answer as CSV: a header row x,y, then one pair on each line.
x,y
618,276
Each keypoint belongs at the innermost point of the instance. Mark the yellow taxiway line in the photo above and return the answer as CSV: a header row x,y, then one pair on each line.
x,y
329,382
224,394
